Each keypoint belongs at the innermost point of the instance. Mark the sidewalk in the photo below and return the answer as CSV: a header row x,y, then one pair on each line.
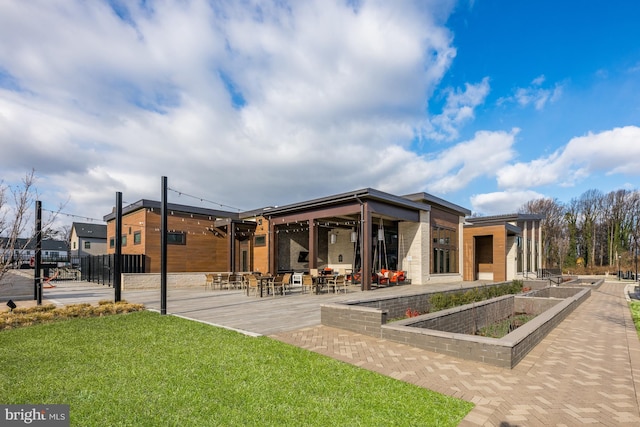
x,y
586,371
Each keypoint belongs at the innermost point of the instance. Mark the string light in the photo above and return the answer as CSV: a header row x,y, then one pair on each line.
x,y
202,199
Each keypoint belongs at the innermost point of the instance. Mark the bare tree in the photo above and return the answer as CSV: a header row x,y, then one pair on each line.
x,y
16,220
15,204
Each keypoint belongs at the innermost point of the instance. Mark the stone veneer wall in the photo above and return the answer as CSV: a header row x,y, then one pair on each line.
x,y
152,280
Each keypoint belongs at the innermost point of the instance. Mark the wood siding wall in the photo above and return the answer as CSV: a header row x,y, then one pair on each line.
x,y
203,250
472,257
261,253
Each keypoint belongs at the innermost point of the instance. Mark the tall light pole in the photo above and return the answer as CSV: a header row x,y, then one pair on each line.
x,y
635,253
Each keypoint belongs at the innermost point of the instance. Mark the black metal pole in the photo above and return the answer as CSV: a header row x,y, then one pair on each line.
x,y
117,260
636,257
37,282
163,248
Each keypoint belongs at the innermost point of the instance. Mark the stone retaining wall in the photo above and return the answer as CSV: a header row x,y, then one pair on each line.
x,y
369,316
131,281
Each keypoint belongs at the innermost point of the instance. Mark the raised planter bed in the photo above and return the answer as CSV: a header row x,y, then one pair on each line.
x,y
451,331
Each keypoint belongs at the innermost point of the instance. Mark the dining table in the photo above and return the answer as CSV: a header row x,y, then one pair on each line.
x,y
263,281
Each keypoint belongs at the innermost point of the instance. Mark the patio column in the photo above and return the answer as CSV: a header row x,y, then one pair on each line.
x,y
365,277
231,262
313,243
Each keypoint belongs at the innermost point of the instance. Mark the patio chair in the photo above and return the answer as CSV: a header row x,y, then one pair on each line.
x,y
281,282
235,281
307,282
209,281
224,281
252,285
337,282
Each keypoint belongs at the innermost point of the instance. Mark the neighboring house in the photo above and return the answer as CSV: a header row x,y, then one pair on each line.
x,y
25,249
88,239
198,239
502,247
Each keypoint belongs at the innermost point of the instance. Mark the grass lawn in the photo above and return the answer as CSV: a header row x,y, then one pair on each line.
x,y
143,369
635,313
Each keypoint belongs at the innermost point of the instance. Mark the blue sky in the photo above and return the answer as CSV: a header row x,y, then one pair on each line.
x,y
487,104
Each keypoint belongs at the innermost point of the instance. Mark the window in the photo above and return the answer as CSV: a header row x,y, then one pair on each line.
x,y
87,245
445,250
123,241
260,240
74,245
137,238
176,238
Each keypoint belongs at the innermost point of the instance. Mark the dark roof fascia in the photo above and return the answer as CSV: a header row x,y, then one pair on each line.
x,y
496,219
89,230
431,199
226,221
152,204
363,194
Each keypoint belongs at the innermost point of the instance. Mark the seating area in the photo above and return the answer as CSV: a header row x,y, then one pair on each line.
x,y
325,281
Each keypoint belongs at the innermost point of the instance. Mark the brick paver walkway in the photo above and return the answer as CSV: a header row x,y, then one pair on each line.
x,y
586,371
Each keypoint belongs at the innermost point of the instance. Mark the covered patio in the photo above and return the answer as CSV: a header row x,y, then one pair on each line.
x,y
361,231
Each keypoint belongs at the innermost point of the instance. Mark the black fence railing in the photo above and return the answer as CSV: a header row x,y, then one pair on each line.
x,y
100,268
546,273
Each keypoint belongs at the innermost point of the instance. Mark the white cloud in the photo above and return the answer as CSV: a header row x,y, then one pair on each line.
x,y
458,109
501,202
99,104
615,151
535,94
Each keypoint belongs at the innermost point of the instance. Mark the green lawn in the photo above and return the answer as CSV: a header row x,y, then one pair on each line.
x,y
635,313
143,369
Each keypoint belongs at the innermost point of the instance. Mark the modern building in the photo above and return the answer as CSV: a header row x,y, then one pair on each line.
x,y
367,230
502,247
198,239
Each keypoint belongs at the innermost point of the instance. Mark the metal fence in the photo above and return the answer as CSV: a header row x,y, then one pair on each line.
x,y
100,268
545,273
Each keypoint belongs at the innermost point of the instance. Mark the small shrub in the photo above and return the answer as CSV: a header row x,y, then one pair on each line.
x,y
49,313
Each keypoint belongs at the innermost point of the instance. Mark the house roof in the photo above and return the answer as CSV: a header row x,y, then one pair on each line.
x,y
152,204
90,231
433,200
499,219
365,193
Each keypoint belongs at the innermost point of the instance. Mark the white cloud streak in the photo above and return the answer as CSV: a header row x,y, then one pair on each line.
x,y
326,98
502,202
535,94
615,151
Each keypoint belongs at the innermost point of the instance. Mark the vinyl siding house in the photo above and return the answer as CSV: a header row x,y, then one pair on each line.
x,y
87,239
25,249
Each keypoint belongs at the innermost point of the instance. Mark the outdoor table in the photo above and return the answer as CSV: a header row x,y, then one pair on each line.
x,y
320,281
264,280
